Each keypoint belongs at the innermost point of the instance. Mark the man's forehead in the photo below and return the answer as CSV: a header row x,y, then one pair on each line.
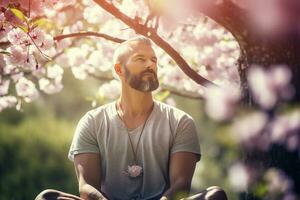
x,y
141,49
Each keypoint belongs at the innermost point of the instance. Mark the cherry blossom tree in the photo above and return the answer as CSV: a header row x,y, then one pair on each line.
x,y
247,48
40,40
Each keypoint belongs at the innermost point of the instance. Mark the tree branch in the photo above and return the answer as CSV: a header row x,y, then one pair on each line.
x,y
151,33
89,33
4,45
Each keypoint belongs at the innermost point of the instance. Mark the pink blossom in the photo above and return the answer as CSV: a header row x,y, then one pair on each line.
x,y
4,85
110,90
41,39
79,72
173,77
29,63
290,196
249,131
270,86
134,170
2,19
50,86
26,89
4,29
284,129
15,77
18,56
4,3
77,27
18,37
293,142
278,181
39,72
7,102
54,71
95,15
62,44
10,69
271,17
59,4
220,103
48,42
36,7
239,177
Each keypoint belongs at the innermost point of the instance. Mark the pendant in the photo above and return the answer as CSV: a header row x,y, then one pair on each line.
x,y
133,171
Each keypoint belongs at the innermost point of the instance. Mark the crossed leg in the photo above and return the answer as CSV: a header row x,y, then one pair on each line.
x,y
51,194
211,193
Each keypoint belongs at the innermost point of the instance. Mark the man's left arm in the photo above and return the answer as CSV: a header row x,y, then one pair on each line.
x,y
181,169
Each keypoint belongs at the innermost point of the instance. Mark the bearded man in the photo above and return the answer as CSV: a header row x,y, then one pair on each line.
x,y
135,147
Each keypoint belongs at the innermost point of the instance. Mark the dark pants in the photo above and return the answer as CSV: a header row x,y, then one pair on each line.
x,y
211,193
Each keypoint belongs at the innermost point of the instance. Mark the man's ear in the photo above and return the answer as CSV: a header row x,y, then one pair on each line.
x,y
118,69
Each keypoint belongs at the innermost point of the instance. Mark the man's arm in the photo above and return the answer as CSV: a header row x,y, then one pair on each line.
x,y
181,170
88,171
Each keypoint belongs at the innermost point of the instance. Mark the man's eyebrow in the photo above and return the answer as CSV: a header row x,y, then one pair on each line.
x,y
141,55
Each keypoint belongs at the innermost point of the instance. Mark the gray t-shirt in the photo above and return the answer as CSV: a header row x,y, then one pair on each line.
x,y
167,130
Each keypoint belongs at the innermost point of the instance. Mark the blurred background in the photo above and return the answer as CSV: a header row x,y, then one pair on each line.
x,y
249,128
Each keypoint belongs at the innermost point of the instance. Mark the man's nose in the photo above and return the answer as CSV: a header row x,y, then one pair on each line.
x,y
150,64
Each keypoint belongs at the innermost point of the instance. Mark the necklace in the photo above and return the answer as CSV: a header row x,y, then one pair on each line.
x,y
135,170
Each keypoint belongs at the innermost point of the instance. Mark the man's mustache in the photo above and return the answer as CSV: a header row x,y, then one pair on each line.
x,y
148,71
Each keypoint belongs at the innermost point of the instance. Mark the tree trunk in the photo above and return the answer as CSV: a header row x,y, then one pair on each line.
x,y
255,48
265,51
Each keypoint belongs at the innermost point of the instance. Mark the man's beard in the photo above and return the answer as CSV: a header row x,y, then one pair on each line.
x,y
137,82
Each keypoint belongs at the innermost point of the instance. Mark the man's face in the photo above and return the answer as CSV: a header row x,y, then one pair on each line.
x,y
141,68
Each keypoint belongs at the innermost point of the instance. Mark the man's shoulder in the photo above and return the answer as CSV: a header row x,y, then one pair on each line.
x,y
101,110
169,110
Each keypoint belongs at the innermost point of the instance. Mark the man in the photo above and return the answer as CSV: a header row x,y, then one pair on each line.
x,y
135,147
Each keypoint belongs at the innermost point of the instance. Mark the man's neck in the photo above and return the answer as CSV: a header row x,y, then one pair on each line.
x,y
134,103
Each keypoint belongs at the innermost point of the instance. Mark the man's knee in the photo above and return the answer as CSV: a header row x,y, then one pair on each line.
x,y
48,194
215,193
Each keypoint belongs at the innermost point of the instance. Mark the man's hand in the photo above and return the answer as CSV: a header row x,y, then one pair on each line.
x,y
163,198
181,170
88,192
87,166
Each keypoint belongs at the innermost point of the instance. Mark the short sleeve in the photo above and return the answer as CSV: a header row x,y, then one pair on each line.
x,y
84,139
186,137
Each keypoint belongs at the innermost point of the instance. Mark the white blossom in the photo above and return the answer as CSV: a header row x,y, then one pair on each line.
x,y
249,125
220,103
4,85
7,102
54,71
110,90
26,89
50,86
277,181
269,86
238,177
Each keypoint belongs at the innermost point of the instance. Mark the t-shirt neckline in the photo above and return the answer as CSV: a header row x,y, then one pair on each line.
x,y
122,124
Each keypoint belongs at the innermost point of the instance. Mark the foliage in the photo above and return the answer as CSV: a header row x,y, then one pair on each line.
x,y
33,157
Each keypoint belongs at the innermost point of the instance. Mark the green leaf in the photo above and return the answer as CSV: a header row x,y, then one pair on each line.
x,y
161,96
18,14
24,28
40,22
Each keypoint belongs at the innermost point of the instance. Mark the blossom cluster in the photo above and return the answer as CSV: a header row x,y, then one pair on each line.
x,y
31,44
259,129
